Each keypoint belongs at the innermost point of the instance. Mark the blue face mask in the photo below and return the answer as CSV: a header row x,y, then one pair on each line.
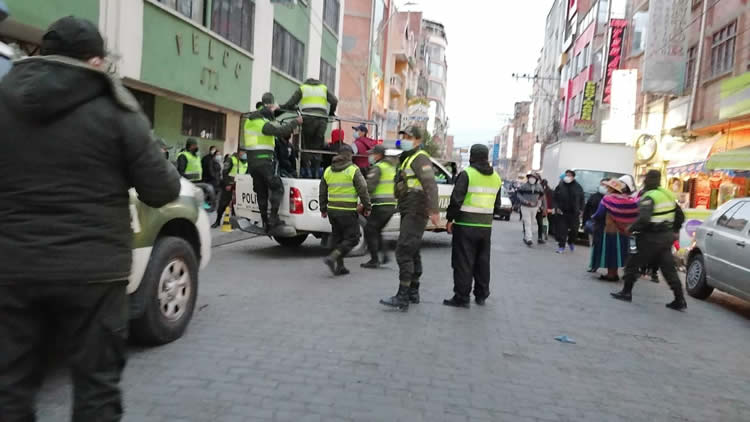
x,y
407,145
243,157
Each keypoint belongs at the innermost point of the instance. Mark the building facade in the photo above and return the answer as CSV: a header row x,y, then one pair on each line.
x,y
197,65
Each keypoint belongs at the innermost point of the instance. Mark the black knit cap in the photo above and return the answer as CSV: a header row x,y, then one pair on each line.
x,y
479,153
652,179
73,37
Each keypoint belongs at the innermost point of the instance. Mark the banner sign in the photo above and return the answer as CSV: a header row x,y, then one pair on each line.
x,y
584,126
616,38
589,100
664,69
735,97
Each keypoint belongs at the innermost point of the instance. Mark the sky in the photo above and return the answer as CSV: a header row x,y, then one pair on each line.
x,y
488,40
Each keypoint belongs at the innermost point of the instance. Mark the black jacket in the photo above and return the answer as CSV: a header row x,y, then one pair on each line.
x,y
592,205
286,156
569,197
78,142
462,187
211,170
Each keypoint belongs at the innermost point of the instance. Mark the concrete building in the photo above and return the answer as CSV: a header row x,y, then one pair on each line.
x,y
546,89
435,78
196,65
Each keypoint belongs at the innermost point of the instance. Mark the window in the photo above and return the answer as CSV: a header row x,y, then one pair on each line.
x,y
192,9
578,62
436,90
288,52
436,70
722,49
235,21
572,108
201,123
331,10
587,55
735,218
436,53
146,101
328,75
692,60
640,25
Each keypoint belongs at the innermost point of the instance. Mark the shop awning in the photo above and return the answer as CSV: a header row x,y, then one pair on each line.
x,y
736,159
692,157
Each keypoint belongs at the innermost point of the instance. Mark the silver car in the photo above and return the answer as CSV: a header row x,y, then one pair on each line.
x,y
720,257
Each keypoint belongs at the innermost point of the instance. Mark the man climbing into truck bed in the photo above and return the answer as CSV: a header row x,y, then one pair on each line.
x,y
259,141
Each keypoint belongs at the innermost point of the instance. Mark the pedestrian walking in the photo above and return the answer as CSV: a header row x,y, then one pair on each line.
x,y
79,143
362,146
417,196
380,181
617,210
549,212
340,187
211,169
259,144
470,215
659,222
233,165
531,199
188,162
313,98
569,202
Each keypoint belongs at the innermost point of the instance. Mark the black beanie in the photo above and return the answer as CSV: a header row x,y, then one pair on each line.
x,y
652,179
479,153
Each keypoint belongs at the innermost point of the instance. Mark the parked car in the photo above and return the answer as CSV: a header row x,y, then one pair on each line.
x,y
720,255
506,207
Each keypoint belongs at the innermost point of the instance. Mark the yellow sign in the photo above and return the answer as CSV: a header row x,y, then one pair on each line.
x,y
587,106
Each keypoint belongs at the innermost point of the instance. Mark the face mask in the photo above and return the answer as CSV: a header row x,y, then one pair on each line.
x,y
407,145
243,157
532,180
603,190
568,179
217,158
371,159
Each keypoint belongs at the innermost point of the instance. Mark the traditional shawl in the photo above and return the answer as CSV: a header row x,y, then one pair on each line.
x,y
622,208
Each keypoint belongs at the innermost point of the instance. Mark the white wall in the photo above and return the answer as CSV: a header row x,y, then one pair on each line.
x,y
315,39
262,50
122,27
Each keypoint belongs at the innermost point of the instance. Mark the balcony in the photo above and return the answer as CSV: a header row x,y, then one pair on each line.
x,y
396,85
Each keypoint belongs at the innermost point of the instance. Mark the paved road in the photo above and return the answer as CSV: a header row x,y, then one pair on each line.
x,y
277,339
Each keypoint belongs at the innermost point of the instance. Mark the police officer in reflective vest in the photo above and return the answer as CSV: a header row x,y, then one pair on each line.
x,y
657,226
188,162
380,182
417,196
341,186
473,203
313,97
234,164
258,143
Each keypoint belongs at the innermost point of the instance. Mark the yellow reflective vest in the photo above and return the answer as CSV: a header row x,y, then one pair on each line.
x,y
479,204
383,194
664,205
193,170
342,195
238,167
412,181
313,97
255,140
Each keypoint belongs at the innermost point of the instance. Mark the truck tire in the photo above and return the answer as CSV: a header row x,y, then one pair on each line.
x,y
695,278
291,242
361,248
171,283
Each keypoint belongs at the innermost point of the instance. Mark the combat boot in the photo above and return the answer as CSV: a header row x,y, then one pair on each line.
x,y
414,292
400,301
626,293
340,268
332,261
372,263
457,302
678,304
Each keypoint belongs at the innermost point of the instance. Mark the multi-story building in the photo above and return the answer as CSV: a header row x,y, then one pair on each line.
x,y
196,65
546,88
435,77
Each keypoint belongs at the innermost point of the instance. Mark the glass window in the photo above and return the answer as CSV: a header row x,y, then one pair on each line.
x,y
692,59
436,70
722,49
288,53
202,123
192,9
146,100
640,25
736,218
436,90
328,75
235,21
331,10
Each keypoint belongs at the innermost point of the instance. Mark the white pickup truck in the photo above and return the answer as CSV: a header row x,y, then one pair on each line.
x,y
301,214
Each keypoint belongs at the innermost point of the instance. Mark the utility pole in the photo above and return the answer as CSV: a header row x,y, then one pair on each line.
x,y
698,63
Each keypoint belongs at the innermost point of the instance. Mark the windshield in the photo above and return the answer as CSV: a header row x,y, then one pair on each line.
x,y
590,179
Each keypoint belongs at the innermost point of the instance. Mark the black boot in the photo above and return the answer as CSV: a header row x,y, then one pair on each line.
x,y
215,225
332,260
400,301
340,268
385,259
457,302
678,304
414,292
372,263
540,241
624,294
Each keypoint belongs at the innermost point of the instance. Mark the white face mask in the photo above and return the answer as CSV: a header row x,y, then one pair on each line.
x,y
407,145
567,179
603,190
371,159
532,180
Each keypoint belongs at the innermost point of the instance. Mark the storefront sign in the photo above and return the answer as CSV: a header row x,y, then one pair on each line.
x,y
584,126
664,71
735,97
614,55
587,106
209,77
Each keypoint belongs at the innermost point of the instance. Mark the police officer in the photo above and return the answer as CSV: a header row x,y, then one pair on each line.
x,y
66,244
659,221
313,97
188,163
259,142
417,195
234,164
341,185
473,203
380,181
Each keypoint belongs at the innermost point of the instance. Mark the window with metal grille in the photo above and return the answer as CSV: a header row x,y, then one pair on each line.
x,y
235,21
202,123
192,9
331,10
692,61
288,53
328,75
146,100
722,49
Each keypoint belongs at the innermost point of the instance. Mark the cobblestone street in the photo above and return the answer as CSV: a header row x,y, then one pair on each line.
x,y
275,338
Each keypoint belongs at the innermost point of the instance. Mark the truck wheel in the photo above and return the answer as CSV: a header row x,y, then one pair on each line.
x,y
695,279
291,242
361,248
171,280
